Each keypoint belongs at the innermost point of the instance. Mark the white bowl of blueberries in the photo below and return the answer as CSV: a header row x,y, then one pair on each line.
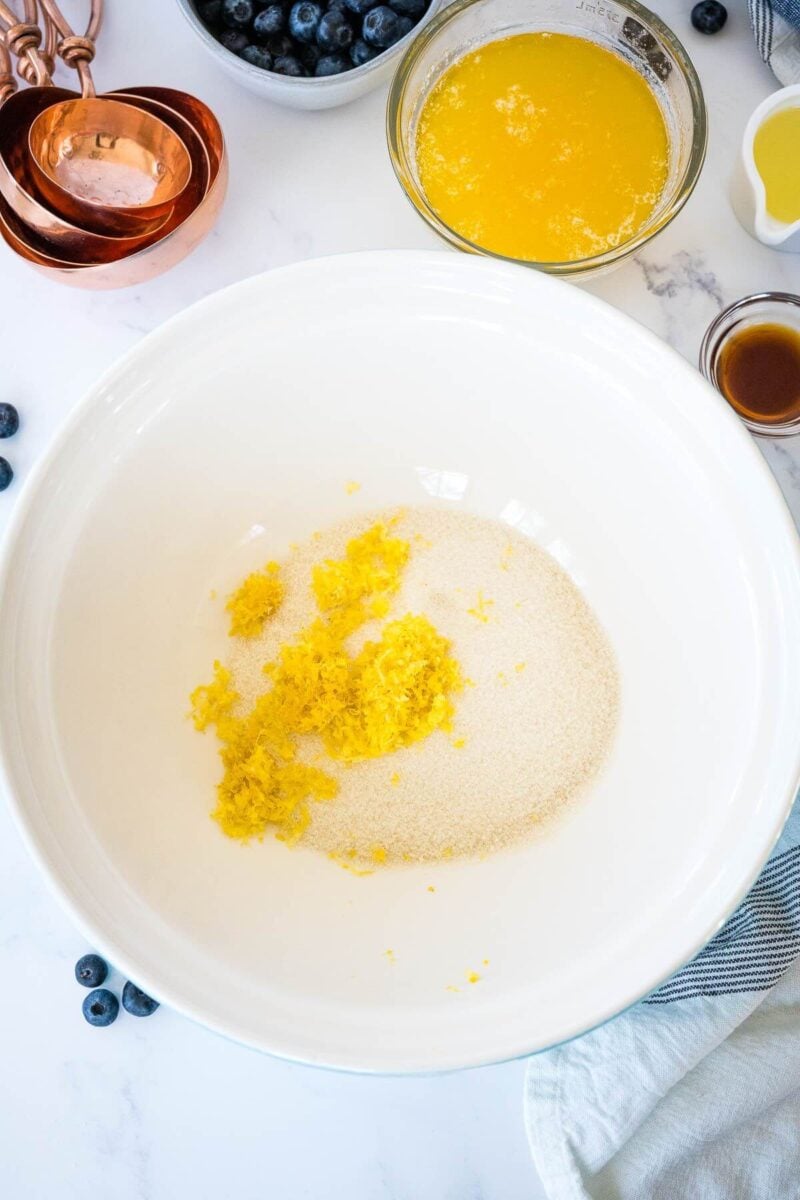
x,y
308,53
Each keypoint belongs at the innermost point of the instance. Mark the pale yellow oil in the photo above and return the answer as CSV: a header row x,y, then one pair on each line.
x,y
776,150
544,147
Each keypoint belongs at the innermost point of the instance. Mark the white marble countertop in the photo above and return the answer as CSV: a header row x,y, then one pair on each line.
x,y
161,1109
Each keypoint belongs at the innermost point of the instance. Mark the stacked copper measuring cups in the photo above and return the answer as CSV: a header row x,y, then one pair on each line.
x,y
98,191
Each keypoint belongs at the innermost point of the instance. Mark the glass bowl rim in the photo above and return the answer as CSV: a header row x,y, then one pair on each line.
x,y
683,188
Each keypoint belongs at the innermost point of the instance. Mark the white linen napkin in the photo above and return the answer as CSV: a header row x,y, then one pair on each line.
x,y
693,1094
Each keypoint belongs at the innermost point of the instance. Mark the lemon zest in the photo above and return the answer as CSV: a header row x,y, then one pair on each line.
x,y
255,600
394,692
212,701
480,611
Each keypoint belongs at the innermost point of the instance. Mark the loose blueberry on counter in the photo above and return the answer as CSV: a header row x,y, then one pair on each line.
x,y
304,20
709,16
101,1007
257,56
210,12
91,970
9,420
361,53
137,1002
332,64
271,19
6,474
287,64
335,32
360,6
233,40
237,14
380,27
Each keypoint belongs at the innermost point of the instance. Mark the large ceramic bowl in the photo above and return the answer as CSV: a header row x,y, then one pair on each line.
x,y
428,378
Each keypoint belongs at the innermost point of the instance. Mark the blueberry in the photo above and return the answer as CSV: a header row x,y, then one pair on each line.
x,y
287,64
6,474
409,8
257,56
210,12
233,40
332,64
237,14
709,16
281,43
101,1007
341,5
380,27
361,53
9,420
91,970
404,25
137,1002
360,6
270,20
310,56
304,19
335,31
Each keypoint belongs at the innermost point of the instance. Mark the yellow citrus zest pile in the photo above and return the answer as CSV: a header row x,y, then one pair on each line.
x,y
392,693
213,701
255,601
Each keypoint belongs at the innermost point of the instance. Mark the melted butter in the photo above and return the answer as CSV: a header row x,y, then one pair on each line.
x,y
544,147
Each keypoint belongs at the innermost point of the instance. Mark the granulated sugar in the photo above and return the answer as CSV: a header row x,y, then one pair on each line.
x,y
532,727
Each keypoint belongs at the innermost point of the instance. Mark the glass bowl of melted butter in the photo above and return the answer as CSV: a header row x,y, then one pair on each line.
x,y
560,134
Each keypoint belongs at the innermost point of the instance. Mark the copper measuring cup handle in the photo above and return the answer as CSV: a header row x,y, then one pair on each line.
x,y
50,51
77,51
8,84
24,39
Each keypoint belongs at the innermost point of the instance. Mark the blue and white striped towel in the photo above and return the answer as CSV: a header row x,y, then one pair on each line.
x,y
694,1094
776,24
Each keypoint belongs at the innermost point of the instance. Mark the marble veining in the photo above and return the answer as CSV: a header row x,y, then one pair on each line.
x,y
160,1109
688,291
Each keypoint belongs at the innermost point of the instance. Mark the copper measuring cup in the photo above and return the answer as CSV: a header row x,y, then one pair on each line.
x,y
93,154
18,188
198,114
190,217
166,251
105,164
17,185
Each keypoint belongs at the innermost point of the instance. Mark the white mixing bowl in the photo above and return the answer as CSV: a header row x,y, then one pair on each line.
x,y
426,377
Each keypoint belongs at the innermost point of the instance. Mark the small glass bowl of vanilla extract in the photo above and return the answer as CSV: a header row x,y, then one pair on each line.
x,y
751,353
